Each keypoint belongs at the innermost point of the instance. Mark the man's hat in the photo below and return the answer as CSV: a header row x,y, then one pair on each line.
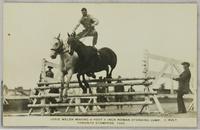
x,y
186,63
50,67
119,77
83,9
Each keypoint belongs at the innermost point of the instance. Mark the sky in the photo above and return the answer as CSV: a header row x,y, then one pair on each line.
x,y
129,29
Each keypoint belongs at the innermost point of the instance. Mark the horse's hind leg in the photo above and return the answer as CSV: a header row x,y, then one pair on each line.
x,y
107,72
86,84
80,84
91,75
110,75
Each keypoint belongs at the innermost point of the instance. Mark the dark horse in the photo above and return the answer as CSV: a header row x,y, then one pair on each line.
x,y
91,60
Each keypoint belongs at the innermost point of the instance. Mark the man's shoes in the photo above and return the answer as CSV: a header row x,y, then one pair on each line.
x,y
181,112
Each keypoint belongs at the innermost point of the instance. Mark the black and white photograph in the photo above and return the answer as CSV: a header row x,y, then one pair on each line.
x,y
100,65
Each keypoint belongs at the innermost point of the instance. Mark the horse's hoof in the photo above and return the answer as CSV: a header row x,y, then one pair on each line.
x,y
93,76
60,100
90,91
65,99
65,95
84,91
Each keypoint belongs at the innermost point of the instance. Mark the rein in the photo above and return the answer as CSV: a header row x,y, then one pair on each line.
x,y
61,49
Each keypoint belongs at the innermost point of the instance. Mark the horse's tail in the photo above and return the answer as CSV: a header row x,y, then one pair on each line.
x,y
109,58
113,65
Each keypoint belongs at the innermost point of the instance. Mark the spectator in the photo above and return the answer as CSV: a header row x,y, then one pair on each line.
x,y
119,88
131,97
184,81
49,72
101,89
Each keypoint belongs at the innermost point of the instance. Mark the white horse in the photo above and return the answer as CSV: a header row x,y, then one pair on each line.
x,y
67,63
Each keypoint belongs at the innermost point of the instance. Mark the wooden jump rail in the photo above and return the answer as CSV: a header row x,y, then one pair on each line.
x,y
89,104
102,113
97,80
91,85
91,113
80,107
96,94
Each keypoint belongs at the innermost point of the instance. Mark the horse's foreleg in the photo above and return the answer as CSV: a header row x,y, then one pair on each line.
x,y
69,76
86,84
61,88
80,83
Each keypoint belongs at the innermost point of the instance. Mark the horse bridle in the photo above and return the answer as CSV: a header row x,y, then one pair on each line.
x,y
60,49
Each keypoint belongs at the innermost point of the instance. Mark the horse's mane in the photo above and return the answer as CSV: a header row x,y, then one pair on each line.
x,y
75,39
80,42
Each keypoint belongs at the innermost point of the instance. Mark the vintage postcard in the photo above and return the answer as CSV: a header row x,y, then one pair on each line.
x,y
100,65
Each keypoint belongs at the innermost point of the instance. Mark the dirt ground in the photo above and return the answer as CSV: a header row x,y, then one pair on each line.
x,y
170,109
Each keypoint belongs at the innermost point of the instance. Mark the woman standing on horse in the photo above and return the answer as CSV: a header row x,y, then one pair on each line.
x,y
89,24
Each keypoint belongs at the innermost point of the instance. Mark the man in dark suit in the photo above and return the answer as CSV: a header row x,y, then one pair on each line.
x,y
184,82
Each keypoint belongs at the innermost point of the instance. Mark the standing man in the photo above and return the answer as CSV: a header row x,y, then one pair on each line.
x,y
119,88
184,82
131,97
5,93
89,24
50,74
101,89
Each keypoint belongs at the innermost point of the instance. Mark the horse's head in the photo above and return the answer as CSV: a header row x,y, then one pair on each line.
x,y
72,43
57,47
